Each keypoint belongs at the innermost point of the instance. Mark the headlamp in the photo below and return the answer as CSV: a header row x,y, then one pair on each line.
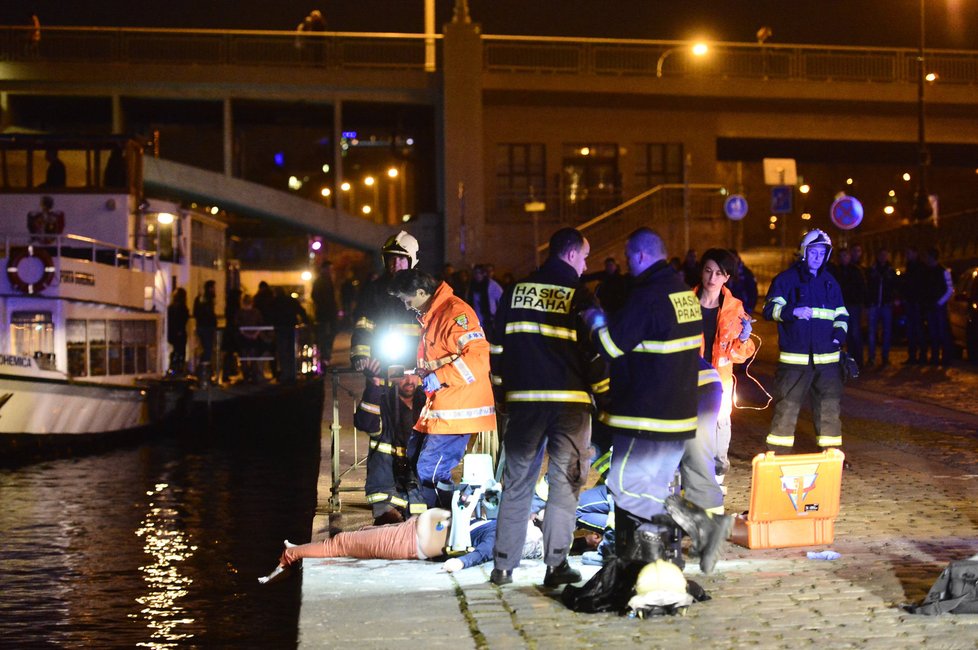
x,y
392,347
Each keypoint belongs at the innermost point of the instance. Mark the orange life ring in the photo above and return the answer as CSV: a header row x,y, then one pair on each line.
x,y
46,268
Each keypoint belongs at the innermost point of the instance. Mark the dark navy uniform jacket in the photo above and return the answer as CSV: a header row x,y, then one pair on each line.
x,y
807,341
653,344
378,316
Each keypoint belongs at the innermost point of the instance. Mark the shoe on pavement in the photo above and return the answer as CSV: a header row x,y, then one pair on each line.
x,y
562,574
501,576
707,531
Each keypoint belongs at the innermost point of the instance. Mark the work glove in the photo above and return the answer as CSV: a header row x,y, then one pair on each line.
x,y
594,318
431,383
745,330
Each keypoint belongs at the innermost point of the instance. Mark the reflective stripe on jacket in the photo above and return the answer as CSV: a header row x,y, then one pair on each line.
x,y
807,341
464,403
653,345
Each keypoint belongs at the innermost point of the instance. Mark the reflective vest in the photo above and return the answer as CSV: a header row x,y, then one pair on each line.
x,y
454,347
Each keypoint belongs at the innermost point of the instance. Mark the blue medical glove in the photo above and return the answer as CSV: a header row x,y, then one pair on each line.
x,y
594,318
431,383
745,330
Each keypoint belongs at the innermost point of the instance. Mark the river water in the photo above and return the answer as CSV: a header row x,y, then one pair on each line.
x,y
156,546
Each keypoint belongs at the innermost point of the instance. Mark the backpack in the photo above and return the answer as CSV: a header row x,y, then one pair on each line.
x,y
955,592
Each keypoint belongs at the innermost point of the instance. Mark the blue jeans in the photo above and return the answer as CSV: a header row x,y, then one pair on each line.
x,y
640,475
880,315
438,457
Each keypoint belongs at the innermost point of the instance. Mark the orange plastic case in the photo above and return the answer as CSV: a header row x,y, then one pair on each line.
x,y
794,501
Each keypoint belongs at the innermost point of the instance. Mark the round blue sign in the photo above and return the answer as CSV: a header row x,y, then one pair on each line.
x,y
735,207
846,212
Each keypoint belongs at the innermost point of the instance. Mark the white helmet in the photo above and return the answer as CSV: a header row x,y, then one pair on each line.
x,y
815,237
404,244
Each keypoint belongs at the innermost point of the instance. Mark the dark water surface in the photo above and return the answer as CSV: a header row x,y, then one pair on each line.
x,y
157,546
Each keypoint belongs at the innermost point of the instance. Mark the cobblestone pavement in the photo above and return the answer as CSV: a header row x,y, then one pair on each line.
x,y
908,507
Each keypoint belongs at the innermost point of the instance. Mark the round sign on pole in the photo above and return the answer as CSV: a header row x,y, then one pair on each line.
x,y
846,212
735,207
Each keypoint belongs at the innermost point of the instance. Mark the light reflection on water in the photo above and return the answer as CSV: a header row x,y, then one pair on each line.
x,y
166,543
156,547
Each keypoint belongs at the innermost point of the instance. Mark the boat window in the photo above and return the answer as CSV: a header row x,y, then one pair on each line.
x,y
31,332
97,357
208,245
77,339
100,348
115,347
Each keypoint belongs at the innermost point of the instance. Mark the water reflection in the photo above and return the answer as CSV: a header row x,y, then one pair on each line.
x,y
167,543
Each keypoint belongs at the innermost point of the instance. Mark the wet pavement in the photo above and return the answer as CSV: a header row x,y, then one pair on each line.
x,y
909,506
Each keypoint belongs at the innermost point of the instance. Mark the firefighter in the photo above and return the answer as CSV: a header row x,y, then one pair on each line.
x,y
387,414
548,372
806,303
453,362
653,344
382,328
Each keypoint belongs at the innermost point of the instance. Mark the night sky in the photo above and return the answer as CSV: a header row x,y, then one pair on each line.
x,y
951,24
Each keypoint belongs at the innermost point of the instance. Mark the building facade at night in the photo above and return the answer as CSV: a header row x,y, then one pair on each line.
x,y
484,144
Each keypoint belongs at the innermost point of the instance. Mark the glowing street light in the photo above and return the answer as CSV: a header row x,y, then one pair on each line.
x,y
696,49
805,188
345,186
392,172
369,181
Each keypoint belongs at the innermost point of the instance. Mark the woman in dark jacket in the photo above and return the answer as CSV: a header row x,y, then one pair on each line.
x,y
177,315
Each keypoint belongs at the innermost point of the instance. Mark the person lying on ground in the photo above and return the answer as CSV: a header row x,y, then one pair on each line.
x,y
424,537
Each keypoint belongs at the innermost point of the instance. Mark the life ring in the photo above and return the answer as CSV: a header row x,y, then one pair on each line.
x,y
39,271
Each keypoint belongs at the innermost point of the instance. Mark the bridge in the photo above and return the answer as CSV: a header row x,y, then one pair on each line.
x,y
745,101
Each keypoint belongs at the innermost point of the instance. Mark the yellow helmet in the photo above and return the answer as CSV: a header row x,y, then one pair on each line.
x,y
660,577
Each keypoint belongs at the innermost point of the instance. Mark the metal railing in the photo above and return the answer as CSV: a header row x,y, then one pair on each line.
x,y
523,54
83,248
336,50
663,207
621,57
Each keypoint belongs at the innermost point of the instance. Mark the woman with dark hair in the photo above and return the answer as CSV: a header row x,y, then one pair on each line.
x,y
177,315
726,337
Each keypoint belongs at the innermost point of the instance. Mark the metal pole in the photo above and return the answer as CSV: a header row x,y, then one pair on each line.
x,y
689,163
921,200
334,453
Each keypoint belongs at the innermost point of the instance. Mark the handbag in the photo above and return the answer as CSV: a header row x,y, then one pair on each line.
x,y
955,592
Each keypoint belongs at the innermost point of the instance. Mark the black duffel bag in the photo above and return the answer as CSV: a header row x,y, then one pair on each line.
x,y
955,592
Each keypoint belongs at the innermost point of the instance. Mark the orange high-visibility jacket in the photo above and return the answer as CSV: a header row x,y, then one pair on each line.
x,y
728,349
454,347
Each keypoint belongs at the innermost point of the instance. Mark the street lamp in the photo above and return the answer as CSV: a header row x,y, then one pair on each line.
x,y
921,201
696,49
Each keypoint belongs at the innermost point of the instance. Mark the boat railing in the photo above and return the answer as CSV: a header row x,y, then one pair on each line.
x,y
250,356
81,248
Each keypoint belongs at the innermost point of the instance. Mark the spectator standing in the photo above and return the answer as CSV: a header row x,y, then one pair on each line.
x,y
806,303
483,295
57,175
743,284
286,314
938,290
912,293
548,373
251,342
349,290
326,311
177,315
852,280
453,360
881,293
690,269
205,322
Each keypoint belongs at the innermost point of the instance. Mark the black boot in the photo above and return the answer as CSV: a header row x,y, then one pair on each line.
x,y
561,574
625,529
708,532
649,546
501,576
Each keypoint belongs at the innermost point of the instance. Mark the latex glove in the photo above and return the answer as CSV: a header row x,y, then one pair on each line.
x,y
745,330
594,318
452,565
431,383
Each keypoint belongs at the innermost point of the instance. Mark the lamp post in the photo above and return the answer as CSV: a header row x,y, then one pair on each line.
x,y
921,201
696,49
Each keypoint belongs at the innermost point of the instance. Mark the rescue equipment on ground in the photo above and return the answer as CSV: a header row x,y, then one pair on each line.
x,y
30,270
794,500
955,592
476,498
